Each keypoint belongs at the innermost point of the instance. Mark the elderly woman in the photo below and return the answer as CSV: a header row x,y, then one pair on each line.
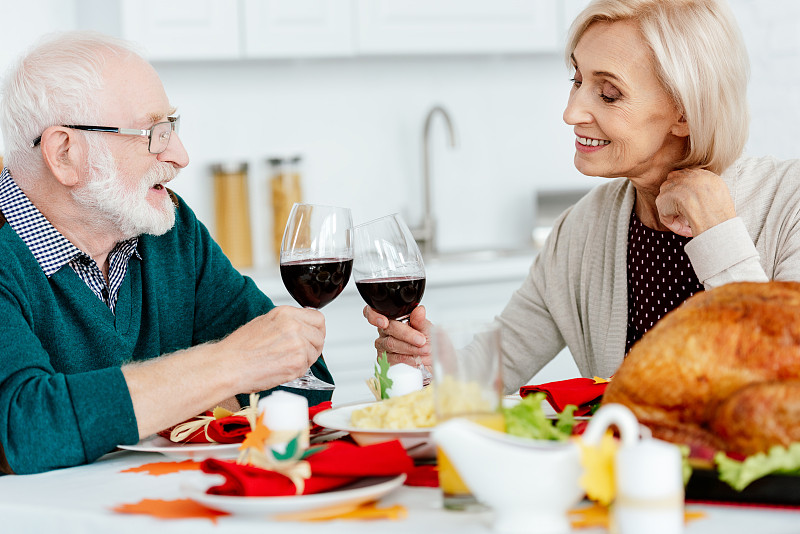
x,y
658,107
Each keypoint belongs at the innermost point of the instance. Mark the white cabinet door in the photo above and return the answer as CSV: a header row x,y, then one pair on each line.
x,y
298,28
457,26
183,29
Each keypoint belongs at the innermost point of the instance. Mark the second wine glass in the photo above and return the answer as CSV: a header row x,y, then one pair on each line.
x,y
388,270
316,261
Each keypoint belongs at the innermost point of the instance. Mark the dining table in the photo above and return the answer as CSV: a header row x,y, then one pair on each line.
x,y
88,499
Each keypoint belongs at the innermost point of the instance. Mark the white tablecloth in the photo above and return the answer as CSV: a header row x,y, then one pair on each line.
x,y
80,500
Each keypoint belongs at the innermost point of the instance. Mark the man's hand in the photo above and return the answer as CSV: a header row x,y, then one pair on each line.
x,y
276,347
693,200
269,350
403,343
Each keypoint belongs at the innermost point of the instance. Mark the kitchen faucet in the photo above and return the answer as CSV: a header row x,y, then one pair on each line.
x,y
425,233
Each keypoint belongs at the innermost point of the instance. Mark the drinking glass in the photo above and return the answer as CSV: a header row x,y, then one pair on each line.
x,y
467,376
388,270
316,260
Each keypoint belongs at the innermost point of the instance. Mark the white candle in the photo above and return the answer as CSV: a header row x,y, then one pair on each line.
x,y
405,379
284,411
649,488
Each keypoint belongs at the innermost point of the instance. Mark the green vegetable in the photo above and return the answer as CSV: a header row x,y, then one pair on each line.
x,y
778,459
686,467
384,382
527,420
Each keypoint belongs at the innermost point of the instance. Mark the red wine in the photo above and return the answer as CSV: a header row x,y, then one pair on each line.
x,y
314,283
393,297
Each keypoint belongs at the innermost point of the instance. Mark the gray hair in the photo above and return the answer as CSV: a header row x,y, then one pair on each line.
x,y
701,61
57,82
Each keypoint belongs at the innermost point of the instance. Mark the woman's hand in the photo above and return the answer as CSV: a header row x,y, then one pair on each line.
x,y
403,343
693,200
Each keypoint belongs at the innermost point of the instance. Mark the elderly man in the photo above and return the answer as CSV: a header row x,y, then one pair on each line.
x,y
120,315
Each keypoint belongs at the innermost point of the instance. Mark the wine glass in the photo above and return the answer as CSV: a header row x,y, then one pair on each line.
x,y
388,270
316,260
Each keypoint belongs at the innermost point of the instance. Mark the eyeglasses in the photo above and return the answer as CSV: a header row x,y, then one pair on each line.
x,y
157,136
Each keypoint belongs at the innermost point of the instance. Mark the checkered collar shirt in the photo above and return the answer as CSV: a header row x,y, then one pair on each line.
x,y
53,251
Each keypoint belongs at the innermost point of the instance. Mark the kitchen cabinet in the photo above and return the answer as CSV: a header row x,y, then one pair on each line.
x,y
456,26
191,30
186,30
176,30
183,29
298,28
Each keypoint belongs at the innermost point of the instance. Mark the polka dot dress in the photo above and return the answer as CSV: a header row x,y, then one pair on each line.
x,y
660,277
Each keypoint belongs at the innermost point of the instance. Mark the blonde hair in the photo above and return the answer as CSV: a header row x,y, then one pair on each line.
x,y
701,62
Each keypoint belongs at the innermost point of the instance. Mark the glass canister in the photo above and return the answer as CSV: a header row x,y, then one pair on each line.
x,y
286,190
232,212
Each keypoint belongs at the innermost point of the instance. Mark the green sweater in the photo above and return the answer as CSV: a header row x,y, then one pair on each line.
x,y
63,398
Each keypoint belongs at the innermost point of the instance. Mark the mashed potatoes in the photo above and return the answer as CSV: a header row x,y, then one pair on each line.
x,y
416,410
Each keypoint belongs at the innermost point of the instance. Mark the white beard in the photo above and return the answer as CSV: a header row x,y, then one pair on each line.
x,y
109,201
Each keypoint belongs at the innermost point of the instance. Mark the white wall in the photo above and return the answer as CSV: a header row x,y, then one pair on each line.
x,y
358,124
771,31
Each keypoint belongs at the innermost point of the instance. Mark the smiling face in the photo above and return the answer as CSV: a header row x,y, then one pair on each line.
x,y
131,205
125,183
624,121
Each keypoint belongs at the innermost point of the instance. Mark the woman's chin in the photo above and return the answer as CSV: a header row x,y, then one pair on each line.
x,y
588,170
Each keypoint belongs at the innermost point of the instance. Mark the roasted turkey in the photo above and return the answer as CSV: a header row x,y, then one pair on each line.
x,y
721,371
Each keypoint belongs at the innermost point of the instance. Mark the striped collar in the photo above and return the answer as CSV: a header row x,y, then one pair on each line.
x,y
52,250
49,246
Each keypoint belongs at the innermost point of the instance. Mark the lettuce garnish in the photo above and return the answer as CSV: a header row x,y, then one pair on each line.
x,y
778,460
528,420
382,375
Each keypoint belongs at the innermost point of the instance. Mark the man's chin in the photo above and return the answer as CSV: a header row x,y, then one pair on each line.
x,y
161,226
151,220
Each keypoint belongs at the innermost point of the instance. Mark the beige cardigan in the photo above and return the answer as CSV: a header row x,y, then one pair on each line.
x,y
576,292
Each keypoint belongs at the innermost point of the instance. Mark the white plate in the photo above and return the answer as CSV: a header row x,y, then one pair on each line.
x,y
183,451
417,441
365,490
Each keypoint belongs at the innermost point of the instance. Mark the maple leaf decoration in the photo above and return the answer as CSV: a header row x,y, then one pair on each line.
x,y
598,464
176,509
164,468
294,450
220,412
256,438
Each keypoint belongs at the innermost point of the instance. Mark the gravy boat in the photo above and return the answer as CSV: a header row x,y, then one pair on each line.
x,y
530,484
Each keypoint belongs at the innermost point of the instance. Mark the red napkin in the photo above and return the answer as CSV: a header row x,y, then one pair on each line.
x,y
314,410
230,429
339,463
424,476
233,428
582,392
